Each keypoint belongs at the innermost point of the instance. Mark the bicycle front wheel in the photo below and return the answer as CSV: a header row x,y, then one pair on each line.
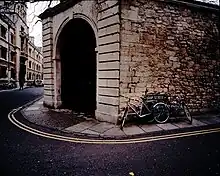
x,y
124,117
161,112
188,115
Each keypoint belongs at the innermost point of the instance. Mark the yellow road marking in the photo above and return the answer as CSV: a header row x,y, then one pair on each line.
x,y
105,141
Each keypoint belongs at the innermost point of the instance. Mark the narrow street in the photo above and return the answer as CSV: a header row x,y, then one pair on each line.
x,y
26,154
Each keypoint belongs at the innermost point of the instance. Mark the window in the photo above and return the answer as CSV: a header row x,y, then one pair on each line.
x,y
3,72
3,31
22,29
29,75
29,64
13,74
22,44
12,38
30,51
3,52
13,56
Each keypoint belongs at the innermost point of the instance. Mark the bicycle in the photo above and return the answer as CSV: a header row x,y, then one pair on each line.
x,y
153,109
177,107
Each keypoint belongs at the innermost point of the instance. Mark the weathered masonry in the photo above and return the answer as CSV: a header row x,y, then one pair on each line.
x,y
95,51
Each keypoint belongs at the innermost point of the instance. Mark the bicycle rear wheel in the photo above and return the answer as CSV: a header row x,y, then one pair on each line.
x,y
188,115
124,117
161,112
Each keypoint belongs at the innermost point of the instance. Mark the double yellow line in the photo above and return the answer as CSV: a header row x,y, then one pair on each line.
x,y
24,127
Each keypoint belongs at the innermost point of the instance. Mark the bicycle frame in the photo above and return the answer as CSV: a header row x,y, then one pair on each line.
x,y
139,113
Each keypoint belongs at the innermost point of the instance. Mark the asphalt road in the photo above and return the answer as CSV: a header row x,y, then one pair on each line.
x,y
22,153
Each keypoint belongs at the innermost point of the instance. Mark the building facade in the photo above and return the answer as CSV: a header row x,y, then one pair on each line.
x,y
34,62
96,52
15,33
7,49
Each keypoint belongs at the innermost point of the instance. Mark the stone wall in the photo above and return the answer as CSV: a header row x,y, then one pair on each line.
x,y
168,47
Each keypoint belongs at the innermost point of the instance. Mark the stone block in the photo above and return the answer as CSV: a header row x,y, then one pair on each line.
x,y
47,31
47,42
109,48
47,48
48,81
107,109
109,39
108,12
106,4
109,30
47,37
108,74
108,100
108,83
47,59
47,25
108,21
47,65
48,98
48,92
109,57
47,53
108,65
109,91
48,70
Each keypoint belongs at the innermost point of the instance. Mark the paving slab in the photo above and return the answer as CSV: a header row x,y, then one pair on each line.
x,y
150,128
132,130
40,102
198,123
183,125
209,121
167,126
114,132
217,119
90,132
102,127
80,126
33,108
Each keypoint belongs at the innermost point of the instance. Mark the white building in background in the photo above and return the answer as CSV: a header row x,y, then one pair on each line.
x,y
14,40
34,62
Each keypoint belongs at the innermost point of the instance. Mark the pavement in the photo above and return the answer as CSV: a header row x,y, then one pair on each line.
x,y
25,153
13,89
72,123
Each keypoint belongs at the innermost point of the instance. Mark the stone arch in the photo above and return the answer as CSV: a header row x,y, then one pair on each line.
x,y
57,58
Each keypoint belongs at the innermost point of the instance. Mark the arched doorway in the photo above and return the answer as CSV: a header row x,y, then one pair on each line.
x,y
77,45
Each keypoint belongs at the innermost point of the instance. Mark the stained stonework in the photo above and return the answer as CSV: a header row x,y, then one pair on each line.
x,y
170,48
164,46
